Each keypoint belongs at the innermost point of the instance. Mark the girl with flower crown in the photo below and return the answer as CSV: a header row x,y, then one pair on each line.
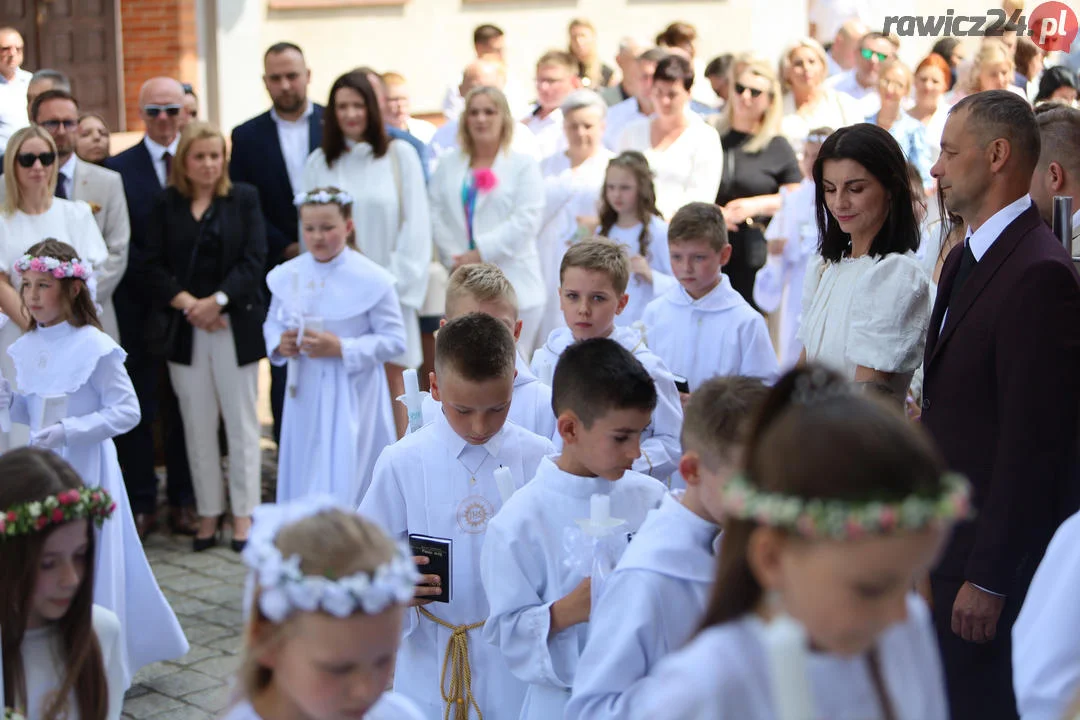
x,y
812,614
330,591
76,396
62,654
334,320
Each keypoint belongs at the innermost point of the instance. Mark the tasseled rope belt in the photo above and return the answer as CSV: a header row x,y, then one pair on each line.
x,y
459,695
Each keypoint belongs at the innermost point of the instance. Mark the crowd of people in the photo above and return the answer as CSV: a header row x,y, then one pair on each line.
x,y
740,389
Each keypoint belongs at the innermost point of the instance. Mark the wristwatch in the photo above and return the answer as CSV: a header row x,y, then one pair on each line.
x,y
221,299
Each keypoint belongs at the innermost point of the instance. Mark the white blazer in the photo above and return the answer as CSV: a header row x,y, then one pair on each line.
x,y
506,223
103,190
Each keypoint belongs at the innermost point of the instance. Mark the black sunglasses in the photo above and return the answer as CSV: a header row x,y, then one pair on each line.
x,y
54,125
27,159
154,110
754,92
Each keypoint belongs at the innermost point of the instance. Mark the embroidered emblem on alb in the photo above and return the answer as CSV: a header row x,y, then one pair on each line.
x,y
473,514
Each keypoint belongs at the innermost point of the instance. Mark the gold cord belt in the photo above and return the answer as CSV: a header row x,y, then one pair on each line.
x,y
459,695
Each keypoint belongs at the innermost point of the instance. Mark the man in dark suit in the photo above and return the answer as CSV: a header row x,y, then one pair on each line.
x,y
269,152
1001,394
145,170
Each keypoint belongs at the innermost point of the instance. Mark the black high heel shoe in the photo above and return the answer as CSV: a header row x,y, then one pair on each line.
x,y
238,545
199,544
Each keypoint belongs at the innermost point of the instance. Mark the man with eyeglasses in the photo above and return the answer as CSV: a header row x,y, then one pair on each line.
x,y
145,170
58,112
13,84
860,83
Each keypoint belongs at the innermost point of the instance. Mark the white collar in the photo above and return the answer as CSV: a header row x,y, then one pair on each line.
x,y
982,239
68,169
1076,221
156,150
458,444
288,123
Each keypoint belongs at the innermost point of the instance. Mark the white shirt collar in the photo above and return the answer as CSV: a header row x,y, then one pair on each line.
x,y
303,118
982,239
458,444
156,150
1076,221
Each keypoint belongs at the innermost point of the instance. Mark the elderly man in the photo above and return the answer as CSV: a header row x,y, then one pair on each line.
x,y
626,59
58,112
845,47
639,106
42,80
1001,395
145,169
13,83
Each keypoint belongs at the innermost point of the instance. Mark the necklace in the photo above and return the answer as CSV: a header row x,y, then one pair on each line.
x,y
472,471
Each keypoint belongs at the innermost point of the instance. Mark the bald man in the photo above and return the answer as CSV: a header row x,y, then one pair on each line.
x,y
841,55
144,169
479,73
13,84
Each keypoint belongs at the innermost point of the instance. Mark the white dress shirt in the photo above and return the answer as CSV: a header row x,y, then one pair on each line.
x,y
847,82
13,115
548,131
294,136
157,156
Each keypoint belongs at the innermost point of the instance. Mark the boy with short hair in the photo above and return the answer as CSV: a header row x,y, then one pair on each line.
x,y
592,291
530,567
656,597
439,482
704,328
483,288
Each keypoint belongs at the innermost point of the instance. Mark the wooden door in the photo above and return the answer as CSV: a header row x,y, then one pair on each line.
x,y
81,39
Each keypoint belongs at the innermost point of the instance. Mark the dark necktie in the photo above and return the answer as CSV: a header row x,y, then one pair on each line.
x,y
167,157
61,191
967,264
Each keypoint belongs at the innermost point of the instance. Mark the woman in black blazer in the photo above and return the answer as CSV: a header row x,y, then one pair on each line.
x,y
204,260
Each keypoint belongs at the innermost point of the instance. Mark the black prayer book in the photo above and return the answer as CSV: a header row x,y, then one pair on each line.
x,y
440,556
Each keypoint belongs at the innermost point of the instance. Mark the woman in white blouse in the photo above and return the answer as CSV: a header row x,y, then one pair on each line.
x,y
866,299
573,180
808,104
30,213
487,203
683,150
390,207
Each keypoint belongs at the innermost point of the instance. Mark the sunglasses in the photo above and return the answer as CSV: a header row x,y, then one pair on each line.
x,y
869,54
153,111
54,125
27,159
754,92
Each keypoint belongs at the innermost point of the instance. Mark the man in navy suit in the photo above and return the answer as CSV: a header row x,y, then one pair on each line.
x,y
1001,394
145,171
269,151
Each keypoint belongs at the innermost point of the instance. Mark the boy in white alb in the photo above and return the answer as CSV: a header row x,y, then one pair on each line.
x,y
439,482
657,595
704,328
592,291
483,288
536,560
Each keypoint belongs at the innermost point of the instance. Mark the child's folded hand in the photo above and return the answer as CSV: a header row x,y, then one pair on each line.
x,y
287,346
321,344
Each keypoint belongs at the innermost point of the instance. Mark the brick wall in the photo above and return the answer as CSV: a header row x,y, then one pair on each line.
x,y
159,38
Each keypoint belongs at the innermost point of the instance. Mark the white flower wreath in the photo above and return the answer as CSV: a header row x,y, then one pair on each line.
x,y
285,589
322,197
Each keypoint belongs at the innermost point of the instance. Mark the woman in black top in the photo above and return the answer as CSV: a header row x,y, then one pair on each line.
x,y
757,162
204,261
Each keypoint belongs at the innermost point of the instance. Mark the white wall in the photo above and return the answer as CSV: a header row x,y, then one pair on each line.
x,y
429,41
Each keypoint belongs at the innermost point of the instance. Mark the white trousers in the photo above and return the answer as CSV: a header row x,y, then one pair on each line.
x,y
531,320
212,387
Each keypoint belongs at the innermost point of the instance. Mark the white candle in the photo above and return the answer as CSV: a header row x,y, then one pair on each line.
x,y
292,365
412,399
505,482
785,645
599,509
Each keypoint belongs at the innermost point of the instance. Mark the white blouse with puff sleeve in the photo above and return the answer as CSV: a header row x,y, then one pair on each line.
x,y
868,311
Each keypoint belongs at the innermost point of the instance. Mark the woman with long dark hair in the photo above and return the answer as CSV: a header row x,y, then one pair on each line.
x,y
866,301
